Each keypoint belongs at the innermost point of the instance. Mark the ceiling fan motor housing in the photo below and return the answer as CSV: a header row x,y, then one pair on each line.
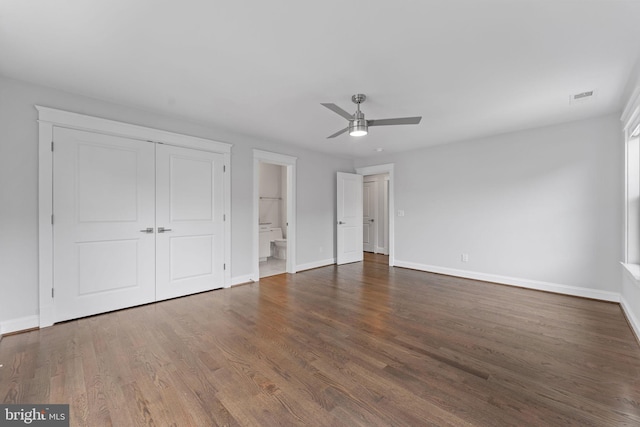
x,y
358,126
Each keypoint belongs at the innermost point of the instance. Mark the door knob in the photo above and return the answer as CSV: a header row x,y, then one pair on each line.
x,y
147,230
163,230
371,220
340,222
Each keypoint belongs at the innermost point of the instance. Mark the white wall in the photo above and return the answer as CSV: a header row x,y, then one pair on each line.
x,y
19,191
540,208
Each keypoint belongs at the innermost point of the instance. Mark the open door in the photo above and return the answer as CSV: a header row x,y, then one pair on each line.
x,y
349,226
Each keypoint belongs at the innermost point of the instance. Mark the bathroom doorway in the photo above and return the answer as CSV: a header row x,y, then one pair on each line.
x,y
274,214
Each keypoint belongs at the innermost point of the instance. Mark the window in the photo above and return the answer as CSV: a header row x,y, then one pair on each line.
x,y
631,121
633,197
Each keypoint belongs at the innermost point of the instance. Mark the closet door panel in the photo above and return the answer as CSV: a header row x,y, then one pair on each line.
x,y
103,197
369,201
189,208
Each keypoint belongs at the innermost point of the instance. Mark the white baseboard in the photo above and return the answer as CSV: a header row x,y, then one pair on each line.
x,y
239,280
315,264
515,281
19,324
631,317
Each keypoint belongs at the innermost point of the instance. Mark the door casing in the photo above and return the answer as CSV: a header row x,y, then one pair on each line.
x,y
290,163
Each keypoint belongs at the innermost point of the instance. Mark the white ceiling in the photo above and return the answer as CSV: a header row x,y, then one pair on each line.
x,y
471,68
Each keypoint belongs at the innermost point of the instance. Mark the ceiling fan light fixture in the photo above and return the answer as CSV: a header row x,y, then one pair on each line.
x,y
358,127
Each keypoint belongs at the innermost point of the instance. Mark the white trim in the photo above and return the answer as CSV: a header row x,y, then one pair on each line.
x,y
633,270
111,127
19,324
275,158
290,163
48,118
515,281
379,169
633,320
316,264
626,197
45,228
631,113
241,280
227,224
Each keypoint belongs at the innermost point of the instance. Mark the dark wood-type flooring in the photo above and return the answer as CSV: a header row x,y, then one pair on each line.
x,y
360,344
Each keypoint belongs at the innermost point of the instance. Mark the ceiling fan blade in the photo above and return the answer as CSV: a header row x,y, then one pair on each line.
x,y
398,121
340,132
338,110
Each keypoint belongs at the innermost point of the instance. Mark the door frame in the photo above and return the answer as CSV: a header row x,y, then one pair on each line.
x,y
290,163
380,169
48,118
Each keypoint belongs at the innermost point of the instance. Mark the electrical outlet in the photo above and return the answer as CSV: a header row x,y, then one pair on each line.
x,y
464,258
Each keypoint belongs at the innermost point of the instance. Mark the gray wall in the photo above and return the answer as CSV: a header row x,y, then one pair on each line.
x,y
541,205
19,188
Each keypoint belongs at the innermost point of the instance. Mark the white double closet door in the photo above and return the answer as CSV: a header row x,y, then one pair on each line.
x,y
134,222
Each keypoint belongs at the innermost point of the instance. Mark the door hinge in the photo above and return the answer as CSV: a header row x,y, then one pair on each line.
x,y
224,266
51,145
51,219
224,168
224,217
51,292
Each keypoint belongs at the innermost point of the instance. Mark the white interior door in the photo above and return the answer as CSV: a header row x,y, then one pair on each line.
x,y
369,225
349,226
189,217
103,190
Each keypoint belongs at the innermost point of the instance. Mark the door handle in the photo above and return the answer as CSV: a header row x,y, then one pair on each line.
x,y
162,229
371,220
147,230
340,222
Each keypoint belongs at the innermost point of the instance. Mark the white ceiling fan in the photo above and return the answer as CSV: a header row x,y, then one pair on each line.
x,y
358,125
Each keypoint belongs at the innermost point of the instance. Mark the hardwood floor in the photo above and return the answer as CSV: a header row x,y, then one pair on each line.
x,y
360,344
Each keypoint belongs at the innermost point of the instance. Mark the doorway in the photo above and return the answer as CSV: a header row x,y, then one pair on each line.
x,y
386,170
272,214
274,178
375,225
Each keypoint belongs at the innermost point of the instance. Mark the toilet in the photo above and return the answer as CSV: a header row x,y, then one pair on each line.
x,y
279,245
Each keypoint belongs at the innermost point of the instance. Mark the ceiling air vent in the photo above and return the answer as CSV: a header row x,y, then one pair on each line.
x,y
581,97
